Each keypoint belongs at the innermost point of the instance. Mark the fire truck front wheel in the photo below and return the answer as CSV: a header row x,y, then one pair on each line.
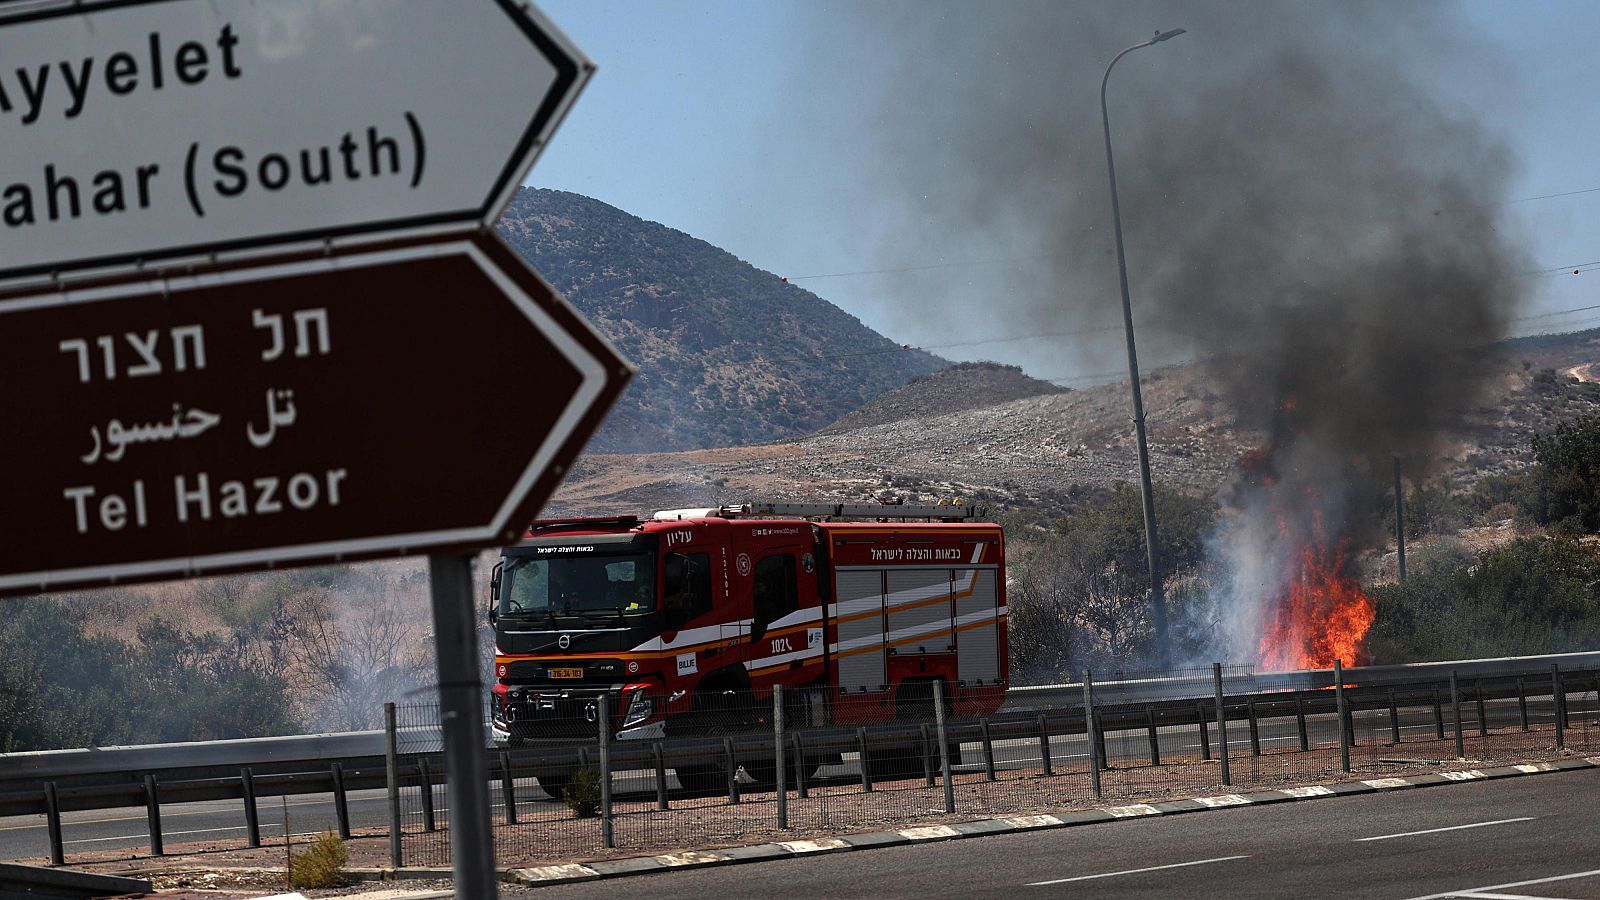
x,y
553,783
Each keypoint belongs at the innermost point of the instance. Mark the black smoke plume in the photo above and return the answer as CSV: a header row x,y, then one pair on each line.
x,y
1312,204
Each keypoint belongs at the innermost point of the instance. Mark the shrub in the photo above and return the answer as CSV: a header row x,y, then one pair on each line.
x,y
320,865
582,793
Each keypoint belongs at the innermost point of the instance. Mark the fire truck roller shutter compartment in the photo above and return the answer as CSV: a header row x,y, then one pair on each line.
x,y
920,617
977,631
859,615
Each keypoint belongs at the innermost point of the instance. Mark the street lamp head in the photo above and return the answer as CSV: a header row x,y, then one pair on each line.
x,y
1163,35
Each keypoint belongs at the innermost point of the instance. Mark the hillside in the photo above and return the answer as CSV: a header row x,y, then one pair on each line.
x,y
1042,451
961,387
727,354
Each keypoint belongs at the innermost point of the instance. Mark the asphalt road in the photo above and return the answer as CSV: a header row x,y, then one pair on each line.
x,y
1533,837
25,837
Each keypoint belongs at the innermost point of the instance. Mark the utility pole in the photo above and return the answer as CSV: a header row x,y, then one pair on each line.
x,y
1158,603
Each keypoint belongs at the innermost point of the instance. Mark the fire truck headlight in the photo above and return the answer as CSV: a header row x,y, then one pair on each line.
x,y
640,709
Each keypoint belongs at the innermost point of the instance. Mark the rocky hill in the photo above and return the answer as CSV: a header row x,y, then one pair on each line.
x,y
961,387
1043,451
727,354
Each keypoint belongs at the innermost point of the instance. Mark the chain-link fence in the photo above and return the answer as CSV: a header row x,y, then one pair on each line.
x,y
743,768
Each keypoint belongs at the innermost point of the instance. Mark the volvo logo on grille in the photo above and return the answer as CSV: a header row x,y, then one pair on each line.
x,y
564,641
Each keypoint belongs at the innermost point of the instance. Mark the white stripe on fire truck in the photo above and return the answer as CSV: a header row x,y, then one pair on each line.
x,y
705,634
811,614
915,631
898,598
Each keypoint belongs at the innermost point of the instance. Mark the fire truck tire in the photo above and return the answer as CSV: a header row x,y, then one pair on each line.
x,y
553,782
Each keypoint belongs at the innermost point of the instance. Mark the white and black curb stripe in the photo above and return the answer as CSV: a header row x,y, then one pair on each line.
x,y
611,868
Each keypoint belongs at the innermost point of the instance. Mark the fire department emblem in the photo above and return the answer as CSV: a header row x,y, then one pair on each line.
x,y
743,562
633,667
564,641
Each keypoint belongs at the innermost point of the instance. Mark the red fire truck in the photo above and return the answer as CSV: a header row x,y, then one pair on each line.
x,y
687,620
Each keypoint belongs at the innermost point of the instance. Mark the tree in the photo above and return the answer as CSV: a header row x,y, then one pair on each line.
x,y
359,651
1566,476
1081,598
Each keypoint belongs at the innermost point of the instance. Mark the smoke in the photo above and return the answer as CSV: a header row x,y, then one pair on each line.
x,y
1306,210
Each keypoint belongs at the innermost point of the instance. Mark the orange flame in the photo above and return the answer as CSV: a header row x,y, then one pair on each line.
x,y
1323,614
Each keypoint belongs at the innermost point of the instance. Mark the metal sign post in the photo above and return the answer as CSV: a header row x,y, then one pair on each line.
x,y
455,636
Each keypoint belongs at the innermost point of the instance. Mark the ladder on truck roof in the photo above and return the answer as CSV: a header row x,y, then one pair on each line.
x,y
871,512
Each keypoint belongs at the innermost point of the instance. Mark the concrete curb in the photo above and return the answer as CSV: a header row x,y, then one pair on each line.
x,y
693,859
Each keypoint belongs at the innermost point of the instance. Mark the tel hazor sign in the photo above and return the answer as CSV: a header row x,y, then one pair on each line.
x,y
385,401
141,132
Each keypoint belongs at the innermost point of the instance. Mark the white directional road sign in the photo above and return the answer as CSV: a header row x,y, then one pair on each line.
x,y
146,132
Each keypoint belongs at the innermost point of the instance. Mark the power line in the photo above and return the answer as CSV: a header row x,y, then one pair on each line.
x,y
949,265
1562,194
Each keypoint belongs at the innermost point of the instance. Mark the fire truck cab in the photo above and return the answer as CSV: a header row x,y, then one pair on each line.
x,y
685,621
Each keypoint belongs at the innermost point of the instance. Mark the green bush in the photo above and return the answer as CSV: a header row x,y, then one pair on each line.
x,y
582,793
1532,596
320,865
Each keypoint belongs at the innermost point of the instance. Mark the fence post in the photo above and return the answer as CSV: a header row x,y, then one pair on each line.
x,y
252,820
52,821
1455,706
1300,722
733,769
988,749
391,764
603,721
152,812
927,757
1438,716
1205,730
1522,702
1222,723
1558,698
661,776
944,747
777,750
802,790
1255,727
1150,732
861,751
1394,719
341,805
1483,716
1044,744
425,778
1338,697
1090,733
508,787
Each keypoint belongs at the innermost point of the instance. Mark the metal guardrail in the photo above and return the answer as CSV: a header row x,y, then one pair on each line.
x,y
53,782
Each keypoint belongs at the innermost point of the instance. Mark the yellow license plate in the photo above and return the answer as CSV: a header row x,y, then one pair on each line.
x,y
566,673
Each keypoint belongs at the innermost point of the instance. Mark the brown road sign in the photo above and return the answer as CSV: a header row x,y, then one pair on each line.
x,y
417,398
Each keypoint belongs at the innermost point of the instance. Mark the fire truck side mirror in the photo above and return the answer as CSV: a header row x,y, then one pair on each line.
x,y
494,592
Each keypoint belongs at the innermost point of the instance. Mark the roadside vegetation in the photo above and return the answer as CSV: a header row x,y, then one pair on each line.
x,y
233,657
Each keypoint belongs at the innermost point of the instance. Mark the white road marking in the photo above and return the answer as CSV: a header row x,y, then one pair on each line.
x,y
1385,837
1198,862
166,834
1478,895
1468,892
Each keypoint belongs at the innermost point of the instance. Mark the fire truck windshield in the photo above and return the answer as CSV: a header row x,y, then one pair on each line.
x,y
620,583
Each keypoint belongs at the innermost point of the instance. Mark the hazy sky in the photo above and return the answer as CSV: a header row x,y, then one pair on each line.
x,y
743,123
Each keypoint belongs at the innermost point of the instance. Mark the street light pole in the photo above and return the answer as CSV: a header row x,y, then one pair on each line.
x,y
1158,605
